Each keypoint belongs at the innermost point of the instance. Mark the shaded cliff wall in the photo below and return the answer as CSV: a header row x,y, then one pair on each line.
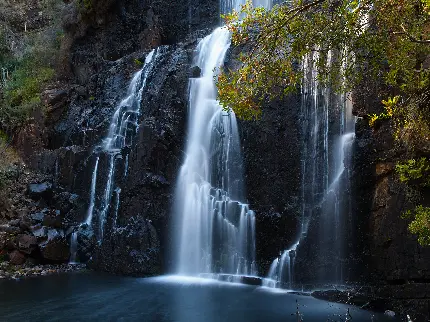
x,y
393,258
272,162
101,51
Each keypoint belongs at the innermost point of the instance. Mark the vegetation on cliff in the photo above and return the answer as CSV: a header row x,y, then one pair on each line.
x,y
29,44
348,42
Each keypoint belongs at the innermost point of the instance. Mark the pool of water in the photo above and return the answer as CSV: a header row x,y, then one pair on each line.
x,y
97,297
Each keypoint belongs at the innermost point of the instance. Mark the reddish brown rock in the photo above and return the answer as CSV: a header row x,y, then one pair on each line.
x,y
27,243
17,258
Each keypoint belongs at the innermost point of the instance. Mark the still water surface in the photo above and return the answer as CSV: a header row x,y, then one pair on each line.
x,y
95,297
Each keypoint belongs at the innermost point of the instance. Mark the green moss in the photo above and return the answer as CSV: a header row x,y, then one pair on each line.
x,y
138,62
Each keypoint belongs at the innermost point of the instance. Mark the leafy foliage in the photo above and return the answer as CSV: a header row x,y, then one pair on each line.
x,y
390,108
420,224
22,92
346,40
415,171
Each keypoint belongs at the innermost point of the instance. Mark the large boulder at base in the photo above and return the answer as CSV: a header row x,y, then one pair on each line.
x,y
55,248
17,258
26,243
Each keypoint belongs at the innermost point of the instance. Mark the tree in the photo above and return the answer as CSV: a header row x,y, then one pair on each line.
x,y
346,41
387,37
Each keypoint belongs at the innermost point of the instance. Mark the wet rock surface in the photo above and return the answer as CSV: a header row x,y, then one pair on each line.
x,y
138,255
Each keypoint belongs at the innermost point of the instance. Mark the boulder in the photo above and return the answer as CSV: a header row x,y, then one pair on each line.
x,y
9,229
17,258
195,72
26,243
38,191
38,216
41,233
15,222
55,248
53,220
53,97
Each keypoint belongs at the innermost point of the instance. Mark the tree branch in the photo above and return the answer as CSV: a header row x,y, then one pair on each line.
x,y
412,38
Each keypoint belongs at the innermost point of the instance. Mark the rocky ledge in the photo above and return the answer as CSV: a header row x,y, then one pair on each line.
x,y
10,271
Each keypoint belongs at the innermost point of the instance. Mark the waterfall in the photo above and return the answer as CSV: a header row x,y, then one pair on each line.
x,y
228,6
326,152
73,247
216,231
122,129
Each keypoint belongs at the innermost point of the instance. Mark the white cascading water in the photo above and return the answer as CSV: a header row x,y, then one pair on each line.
x,y
122,129
216,230
317,188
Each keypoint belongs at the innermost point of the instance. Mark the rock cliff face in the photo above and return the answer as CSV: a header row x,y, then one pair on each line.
x,y
103,47
154,161
393,259
272,154
137,243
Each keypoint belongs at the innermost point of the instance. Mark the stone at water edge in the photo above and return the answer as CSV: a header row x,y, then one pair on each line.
x,y
17,258
55,248
26,243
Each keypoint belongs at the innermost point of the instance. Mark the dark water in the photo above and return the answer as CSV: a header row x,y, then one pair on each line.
x,y
93,297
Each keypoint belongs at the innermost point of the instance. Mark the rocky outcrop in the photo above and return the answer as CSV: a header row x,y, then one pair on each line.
x,y
109,30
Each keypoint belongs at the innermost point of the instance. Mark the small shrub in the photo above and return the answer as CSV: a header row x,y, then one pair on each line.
x,y
415,171
391,106
420,224
138,62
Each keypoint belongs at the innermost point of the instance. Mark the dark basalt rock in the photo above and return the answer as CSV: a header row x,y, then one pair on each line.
x,y
272,165
17,258
27,244
138,254
86,243
55,248
40,190
38,216
195,72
